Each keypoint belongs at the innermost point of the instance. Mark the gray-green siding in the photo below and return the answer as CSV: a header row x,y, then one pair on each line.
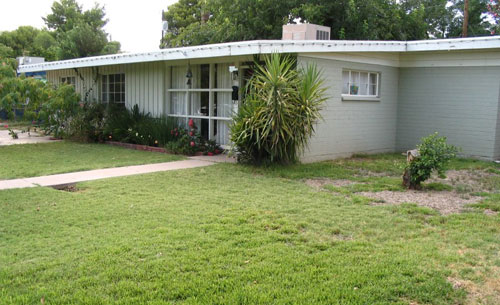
x,y
353,126
461,103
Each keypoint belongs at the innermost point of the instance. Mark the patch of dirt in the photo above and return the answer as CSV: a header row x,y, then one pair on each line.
x,y
72,188
319,183
366,173
485,292
445,202
490,212
467,180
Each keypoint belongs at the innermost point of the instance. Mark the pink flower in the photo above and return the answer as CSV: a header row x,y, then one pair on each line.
x,y
210,153
171,132
192,144
191,123
176,134
191,133
6,126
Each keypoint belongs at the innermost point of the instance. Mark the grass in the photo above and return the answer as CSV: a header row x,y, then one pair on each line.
x,y
31,160
228,234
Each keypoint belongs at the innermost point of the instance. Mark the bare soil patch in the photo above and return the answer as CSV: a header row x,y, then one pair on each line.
x,y
467,180
445,202
490,212
319,183
366,173
72,188
485,292
464,182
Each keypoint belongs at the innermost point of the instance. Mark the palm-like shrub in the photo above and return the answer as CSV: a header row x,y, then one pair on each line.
x,y
279,113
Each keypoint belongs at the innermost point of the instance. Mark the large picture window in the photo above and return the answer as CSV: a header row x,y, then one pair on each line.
x,y
359,83
113,88
205,97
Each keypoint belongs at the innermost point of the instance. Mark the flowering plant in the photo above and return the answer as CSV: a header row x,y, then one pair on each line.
x,y
189,142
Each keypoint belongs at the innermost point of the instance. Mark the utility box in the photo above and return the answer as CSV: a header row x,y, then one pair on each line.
x,y
29,60
305,31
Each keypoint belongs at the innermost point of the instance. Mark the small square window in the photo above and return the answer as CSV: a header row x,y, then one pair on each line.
x,y
113,88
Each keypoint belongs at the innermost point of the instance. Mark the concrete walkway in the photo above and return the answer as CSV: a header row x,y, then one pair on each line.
x,y
24,138
70,178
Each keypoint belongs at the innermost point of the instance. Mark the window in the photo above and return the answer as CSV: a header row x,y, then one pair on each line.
x,y
358,83
207,99
70,80
113,88
322,35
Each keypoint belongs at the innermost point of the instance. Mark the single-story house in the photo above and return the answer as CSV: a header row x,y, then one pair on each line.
x,y
383,96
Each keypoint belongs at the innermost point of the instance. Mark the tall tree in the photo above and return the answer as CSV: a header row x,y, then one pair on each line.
x,y
494,13
480,23
234,20
80,33
228,20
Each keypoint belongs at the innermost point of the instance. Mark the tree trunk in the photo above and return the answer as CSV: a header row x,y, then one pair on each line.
x,y
466,18
408,183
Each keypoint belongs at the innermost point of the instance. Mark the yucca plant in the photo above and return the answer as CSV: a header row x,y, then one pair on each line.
x,y
279,112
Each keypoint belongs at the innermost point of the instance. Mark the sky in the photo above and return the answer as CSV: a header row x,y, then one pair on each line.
x,y
136,24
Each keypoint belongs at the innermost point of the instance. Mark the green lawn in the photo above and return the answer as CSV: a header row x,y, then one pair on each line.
x,y
29,160
229,234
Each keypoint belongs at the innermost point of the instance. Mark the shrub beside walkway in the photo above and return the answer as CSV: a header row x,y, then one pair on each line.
x,y
70,178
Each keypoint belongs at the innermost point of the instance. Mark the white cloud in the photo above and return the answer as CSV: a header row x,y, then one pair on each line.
x,y
136,24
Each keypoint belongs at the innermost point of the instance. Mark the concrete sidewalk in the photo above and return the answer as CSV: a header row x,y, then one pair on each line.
x,y
70,178
6,139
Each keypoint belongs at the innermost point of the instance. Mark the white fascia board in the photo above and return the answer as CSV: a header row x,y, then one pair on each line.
x,y
267,47
474,43
221,50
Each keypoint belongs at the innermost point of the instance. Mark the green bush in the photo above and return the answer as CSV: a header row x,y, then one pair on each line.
x,y
88,123
185,142
136,127
434,155
190,142
279,112
62,105
23,93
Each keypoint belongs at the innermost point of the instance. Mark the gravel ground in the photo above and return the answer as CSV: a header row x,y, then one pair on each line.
x,y
464,182
445,202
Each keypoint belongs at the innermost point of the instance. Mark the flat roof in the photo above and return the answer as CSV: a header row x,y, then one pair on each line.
x,y
270,46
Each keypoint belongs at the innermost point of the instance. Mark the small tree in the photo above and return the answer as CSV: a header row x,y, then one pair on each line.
x,y
434,155
279,112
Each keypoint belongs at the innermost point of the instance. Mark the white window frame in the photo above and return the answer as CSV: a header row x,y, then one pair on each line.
x,y
212,89
358,97
70,80
107,91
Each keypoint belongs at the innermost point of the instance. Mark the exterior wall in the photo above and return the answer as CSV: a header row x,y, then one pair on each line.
x,y
353,126
143,83
497,140
144,86
461,103
88,87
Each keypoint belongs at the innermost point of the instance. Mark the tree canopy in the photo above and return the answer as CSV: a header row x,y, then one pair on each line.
x,y
71,32
194,22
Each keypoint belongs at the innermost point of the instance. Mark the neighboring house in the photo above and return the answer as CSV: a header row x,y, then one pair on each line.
x,y
383,95
29,60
